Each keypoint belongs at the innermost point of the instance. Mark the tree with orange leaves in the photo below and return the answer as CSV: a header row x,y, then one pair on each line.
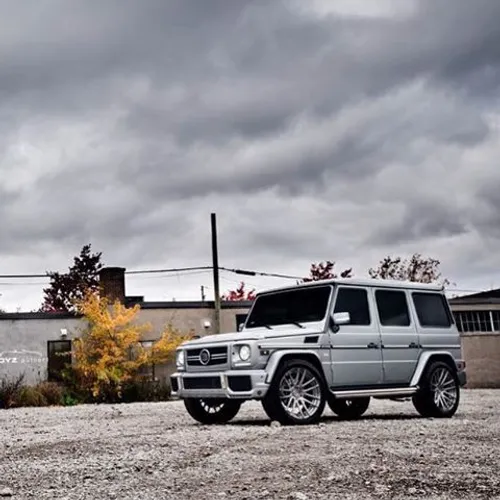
x,y
107,354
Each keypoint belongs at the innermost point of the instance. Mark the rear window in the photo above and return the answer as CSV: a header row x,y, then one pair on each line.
x,y
392,308
432,310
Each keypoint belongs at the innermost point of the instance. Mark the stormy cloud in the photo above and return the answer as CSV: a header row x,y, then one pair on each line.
x,y
343,131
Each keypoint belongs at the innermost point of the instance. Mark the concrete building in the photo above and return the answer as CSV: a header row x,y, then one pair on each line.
x,y
478,319
29,342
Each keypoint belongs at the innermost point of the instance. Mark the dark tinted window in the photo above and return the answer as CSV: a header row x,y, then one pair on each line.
x,y
392,308
355,302
432,310
302,305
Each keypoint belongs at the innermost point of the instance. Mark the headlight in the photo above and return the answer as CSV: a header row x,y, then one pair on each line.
x,y
244,352
180,358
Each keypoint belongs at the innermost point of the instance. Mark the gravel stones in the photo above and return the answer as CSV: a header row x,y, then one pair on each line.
x,y
155,450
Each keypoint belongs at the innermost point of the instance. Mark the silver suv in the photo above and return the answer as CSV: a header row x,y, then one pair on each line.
x,y
336,342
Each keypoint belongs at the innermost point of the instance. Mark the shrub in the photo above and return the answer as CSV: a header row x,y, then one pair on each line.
x,y
103,355
29,396
144,389
52,392
9,391
70,399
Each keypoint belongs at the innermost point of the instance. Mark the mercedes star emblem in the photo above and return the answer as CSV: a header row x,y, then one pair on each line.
x,y
204,357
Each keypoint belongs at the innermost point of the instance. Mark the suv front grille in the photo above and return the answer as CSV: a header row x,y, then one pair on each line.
x,y
218,356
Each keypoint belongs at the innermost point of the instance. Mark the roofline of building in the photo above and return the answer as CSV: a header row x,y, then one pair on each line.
x,y
464,301
243,304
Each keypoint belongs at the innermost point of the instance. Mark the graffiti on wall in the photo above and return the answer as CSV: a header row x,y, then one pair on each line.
x,y
21,356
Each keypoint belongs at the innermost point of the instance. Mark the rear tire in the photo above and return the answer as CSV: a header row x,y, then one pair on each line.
x,y
439,393
296,395
212,411
348,409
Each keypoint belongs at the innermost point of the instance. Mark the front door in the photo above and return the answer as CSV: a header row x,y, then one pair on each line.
x,y
356,356
400,341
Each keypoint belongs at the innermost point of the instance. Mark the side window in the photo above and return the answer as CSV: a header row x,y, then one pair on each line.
x,y
392,308
355,302
432,311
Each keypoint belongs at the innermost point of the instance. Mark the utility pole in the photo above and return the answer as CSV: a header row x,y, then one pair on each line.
x,y
215,264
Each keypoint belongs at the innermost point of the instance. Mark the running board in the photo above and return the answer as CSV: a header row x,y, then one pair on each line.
x,y
392,392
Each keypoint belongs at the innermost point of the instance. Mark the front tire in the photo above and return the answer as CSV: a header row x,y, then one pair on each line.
x,y
212,411
348,409
296,395
439,393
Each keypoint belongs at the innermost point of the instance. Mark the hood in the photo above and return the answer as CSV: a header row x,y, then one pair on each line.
x,y
225,337
254,334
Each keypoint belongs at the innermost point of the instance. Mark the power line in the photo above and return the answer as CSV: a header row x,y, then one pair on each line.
x,y
246,272
168,270
185,271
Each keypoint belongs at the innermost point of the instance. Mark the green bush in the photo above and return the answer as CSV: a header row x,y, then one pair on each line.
x,y
70,399
9,390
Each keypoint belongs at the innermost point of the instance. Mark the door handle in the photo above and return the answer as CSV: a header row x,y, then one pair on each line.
x,y
372,345
413,345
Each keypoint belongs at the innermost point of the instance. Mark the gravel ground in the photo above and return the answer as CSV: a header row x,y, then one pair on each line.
x,y
155,450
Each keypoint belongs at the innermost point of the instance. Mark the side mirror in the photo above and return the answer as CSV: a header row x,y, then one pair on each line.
x,y
342,318
337,319
240,326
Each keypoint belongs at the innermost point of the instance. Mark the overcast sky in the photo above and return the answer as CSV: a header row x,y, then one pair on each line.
x,y
344,130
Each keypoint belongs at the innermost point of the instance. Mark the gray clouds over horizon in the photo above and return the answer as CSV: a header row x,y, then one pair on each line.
x,y
345,131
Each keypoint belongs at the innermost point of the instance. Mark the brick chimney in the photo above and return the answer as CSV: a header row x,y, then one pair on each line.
x,y
112,281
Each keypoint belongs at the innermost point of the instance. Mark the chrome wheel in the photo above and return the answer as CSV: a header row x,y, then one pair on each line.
x,y
300,393
212,406
444,389
439,393
212,411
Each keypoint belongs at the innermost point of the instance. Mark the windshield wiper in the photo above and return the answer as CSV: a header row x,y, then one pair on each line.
x,y
296,323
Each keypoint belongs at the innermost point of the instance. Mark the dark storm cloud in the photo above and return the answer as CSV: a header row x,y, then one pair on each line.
x,y
420,221
141,117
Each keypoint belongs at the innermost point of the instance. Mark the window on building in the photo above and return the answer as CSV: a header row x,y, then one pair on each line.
x,y
477,321
432,310
59,356
355,302
149,369
392,308
496,320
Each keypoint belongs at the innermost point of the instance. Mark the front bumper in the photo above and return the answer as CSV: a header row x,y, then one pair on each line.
x,y
232,384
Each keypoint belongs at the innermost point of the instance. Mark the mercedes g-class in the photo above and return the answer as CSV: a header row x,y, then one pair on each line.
x,y
337,342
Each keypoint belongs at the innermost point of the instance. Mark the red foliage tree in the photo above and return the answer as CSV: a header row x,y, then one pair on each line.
x,y
239,294
325,271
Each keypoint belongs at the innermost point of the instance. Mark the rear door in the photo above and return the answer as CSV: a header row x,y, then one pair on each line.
x,y
355,349
398,332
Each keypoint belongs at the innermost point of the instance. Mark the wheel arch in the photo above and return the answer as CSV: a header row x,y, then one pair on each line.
x,y
430,357
279,357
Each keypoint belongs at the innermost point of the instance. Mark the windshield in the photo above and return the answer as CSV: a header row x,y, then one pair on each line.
x,y
293,306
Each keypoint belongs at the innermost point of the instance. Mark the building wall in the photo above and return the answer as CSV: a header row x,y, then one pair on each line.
x,y
23,344
481,349
24,336
482,356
